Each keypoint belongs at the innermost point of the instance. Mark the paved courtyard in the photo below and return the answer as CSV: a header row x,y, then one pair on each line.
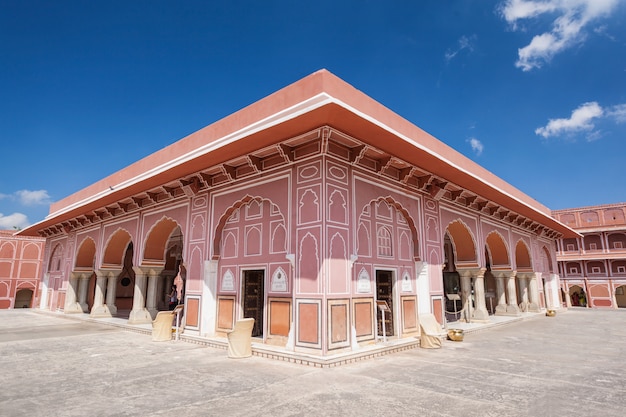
x,y
568,365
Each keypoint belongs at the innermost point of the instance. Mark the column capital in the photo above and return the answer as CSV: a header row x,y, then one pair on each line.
x,y
108,272
526,274
504,273
80,274
148,271
471,272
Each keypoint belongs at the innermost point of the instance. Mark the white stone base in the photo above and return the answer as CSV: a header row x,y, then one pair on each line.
x,y
73,308
101,311
481,315
139,317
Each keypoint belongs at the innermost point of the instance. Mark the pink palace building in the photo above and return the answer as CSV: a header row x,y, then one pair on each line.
x,y
20,269
593,266
306,211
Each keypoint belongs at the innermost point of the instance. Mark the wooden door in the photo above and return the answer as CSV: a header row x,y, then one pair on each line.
x,y
253,299
384,292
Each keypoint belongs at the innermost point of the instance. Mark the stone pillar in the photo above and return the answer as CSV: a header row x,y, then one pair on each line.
x,y
613,295
112,291
139,314
99,309
209,298
83,286
511,309
568,299
466,296
533,292
481,313
500,295
71,303
523,287
151,298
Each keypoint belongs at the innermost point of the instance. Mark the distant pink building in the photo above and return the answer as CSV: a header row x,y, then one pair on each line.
x,y
593,266
21,260
307,210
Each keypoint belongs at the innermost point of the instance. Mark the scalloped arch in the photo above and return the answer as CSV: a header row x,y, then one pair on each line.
x,y
157,238
115,247
522,256
463,241
497,249
86,254
547,260
217,240
409,219
55,257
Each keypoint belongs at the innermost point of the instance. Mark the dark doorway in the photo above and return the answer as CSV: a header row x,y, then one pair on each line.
x,y
384,292
253,299
23,298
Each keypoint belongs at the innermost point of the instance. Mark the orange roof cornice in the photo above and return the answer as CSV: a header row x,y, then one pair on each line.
x,y
316,100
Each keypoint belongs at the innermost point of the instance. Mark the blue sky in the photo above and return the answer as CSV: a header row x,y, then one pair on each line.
x,y
534,91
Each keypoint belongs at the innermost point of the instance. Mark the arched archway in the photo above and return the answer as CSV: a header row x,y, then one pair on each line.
x,y
577,296
84,267
117,267
54,263
163,251
522,257
387,244
85,255
249,244
463,244
497,259
497,251
546,268
620,296
459,252
115,250
23,298
523,262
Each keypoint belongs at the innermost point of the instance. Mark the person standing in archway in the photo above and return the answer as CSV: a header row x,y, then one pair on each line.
x,y
173,298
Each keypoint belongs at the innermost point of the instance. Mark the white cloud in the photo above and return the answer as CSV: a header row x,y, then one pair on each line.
x,y
567,29
582,119
13,221
617,112
32,198
476,145
464,42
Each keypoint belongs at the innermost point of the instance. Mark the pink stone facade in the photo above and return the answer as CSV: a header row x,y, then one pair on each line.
x,y
306,211
21,260
593,267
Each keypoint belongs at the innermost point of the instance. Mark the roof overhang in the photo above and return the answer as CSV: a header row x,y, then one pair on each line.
x,y
317,100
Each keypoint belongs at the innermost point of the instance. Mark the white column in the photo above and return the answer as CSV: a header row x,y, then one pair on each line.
x,y
423,288
533,292
511,309
112,291
523,287
139,314
500,295
151,298
71,303
209,298
83,286
466,296
99,309
551,289
481,313
43,302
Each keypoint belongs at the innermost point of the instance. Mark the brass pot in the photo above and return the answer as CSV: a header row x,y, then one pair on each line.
x,y
455,335
550,313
